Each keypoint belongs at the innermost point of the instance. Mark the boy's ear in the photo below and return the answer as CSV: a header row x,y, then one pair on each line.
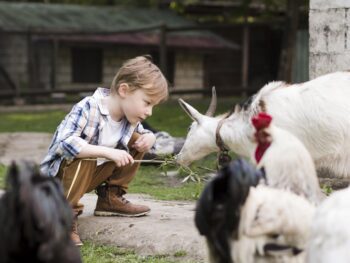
x,y
123,90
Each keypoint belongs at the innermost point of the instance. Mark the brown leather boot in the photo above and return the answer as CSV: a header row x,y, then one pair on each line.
x,y
111,202
74,234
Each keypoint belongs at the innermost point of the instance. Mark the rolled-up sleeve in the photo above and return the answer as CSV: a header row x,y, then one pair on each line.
x,y
141,130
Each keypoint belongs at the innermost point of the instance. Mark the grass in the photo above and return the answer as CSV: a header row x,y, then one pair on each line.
x,y
107,254
31,121
327,189
162,185
2,175
166,117
170,117
151,181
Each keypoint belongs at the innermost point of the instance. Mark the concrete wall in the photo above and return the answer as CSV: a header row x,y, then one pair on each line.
x,y
329,42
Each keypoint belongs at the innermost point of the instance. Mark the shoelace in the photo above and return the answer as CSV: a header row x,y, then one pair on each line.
x,y
124,200
75,227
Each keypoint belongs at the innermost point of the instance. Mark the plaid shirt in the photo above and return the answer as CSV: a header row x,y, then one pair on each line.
x,y
80,127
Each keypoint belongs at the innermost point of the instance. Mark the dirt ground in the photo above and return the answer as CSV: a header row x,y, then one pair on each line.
x,y
168,229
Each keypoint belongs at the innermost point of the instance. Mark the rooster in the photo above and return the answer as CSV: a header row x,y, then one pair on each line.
x,y
35,219
286,161
245,222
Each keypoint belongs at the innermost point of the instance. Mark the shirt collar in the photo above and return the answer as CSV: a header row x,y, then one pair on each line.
x,y
100,95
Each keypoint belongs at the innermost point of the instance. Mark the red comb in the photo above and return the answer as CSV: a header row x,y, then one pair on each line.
x,y
261,121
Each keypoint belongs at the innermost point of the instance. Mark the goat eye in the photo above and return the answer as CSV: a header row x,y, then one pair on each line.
x,y
188,129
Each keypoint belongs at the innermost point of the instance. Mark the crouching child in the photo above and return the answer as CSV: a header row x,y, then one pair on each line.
x,y
96,144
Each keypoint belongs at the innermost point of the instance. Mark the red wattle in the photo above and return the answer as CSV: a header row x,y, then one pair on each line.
x,y
260,150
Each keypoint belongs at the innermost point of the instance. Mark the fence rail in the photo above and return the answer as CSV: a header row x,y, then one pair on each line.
x,y
8,94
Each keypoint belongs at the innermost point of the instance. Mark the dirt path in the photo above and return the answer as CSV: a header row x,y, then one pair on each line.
x,y
27,145
168,229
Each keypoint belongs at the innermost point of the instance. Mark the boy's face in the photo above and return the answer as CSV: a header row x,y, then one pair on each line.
x,y
136,105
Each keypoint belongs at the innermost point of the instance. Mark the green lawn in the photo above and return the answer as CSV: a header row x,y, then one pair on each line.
x,y
31,121
167,117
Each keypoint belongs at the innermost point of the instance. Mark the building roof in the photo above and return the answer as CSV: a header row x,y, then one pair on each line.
x,y
104,24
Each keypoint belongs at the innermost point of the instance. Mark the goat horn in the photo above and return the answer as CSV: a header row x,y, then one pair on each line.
x,y
213,102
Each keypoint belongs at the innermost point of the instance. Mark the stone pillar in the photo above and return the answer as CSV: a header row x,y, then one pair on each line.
x,y
329,43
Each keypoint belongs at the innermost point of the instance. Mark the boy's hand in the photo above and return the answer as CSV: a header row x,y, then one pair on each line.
x,y
120,157
144,142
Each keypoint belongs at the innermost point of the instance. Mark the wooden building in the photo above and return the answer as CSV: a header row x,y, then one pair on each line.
x,y
55,48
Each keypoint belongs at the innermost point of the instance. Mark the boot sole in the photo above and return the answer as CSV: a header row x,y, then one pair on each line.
x,y
106,213
78,244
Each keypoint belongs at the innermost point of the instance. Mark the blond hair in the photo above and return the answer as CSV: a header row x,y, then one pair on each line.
x,y
141,73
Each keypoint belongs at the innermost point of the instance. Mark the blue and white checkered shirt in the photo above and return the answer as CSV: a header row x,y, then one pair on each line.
x,y
80,127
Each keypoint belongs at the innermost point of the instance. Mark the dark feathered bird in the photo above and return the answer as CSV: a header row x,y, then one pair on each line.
x,y
247,222
35,219
217,213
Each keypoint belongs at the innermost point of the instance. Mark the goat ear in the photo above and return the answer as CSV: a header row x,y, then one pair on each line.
x,y
192,112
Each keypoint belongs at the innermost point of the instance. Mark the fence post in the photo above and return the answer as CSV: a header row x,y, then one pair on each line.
x,y
163,49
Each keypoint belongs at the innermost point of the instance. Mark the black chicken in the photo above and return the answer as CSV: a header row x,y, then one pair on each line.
x,y
35,219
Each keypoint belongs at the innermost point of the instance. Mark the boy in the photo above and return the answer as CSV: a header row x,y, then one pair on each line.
x,y
96,144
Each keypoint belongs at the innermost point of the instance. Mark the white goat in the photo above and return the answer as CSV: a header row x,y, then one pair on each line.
x,y
316,112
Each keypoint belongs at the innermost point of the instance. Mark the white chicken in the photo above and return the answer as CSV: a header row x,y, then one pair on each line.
x,y
330,233
286,161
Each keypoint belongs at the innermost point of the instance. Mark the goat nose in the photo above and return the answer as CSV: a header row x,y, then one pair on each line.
x,y
179,159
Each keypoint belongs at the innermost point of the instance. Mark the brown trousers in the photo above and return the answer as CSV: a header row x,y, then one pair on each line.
x,y
90,175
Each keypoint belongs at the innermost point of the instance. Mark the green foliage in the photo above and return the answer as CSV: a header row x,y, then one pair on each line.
x,y
327,189
143,3
235,14
3,171
92,253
